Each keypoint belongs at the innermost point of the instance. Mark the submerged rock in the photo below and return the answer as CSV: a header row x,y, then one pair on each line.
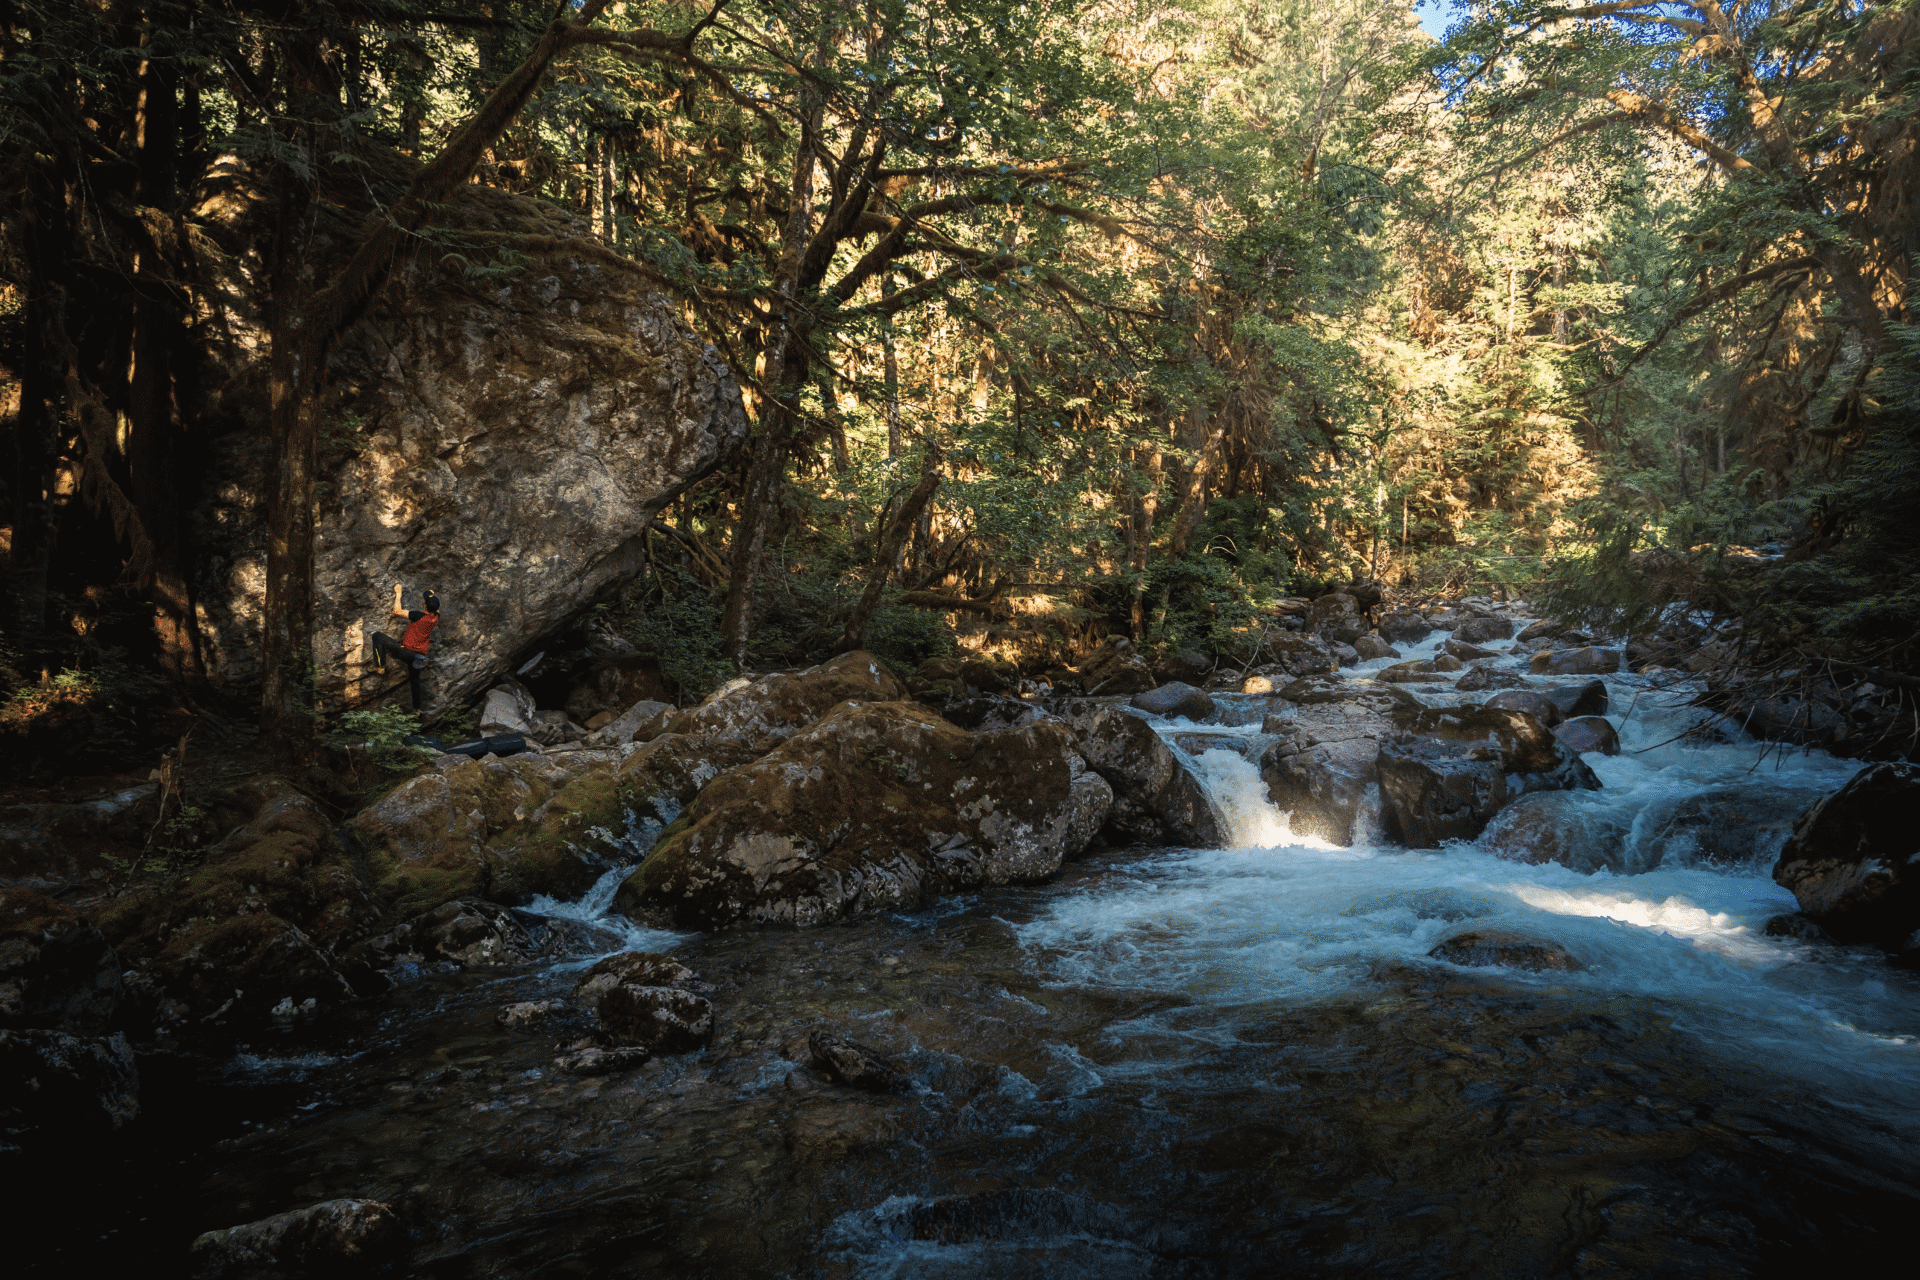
x,y
879,805
598,1060
854,1064
1851,860
333,1236
1505,949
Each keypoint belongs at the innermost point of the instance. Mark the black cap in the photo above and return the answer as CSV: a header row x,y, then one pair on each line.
x,y
431,601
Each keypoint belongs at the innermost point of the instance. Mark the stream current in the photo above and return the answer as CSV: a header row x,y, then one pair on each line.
x,y
1164,1062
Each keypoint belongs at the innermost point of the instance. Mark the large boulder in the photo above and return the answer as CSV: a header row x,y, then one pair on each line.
x,y
1115,668
1851,860
1589,699
1538,705
1337,618
1733,826
1456,767
1563,827
1297,655
1320,778
1175,699
56,970
256,926
879,805
1590,733
1371,647
1480,629
1156,799
61,1089
508,830
1405,624
761,714
504,443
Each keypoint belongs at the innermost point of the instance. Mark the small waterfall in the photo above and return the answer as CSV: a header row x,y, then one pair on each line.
x,y
594,906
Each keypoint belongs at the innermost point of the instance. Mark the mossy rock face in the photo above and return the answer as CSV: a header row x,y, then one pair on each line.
x,y
430,837
604,817
255,924
763,714
877,806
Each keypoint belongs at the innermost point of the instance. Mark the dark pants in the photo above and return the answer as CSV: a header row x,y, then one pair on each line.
x,y
387,647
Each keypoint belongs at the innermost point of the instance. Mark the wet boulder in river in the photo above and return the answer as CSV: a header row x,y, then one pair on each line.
x,y
1337,618
1417,671
1156,800
1590,733
1720,826
1299,655
631,968
1485,675
1175,699
1371,647
1537,705
1455,767
1477,630
658,1019
852,1063
1404,625
877,806
1589,699
1506,949
333,1237
1321,777
1853,860
1564,827
1466,652
763,713
1574,662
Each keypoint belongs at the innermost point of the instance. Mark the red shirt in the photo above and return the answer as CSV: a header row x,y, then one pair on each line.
x,y
419,631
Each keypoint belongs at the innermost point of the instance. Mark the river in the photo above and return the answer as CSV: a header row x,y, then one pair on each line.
x,y
1164,1062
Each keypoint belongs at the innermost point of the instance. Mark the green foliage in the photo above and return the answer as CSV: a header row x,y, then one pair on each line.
x,y
677,623
385,731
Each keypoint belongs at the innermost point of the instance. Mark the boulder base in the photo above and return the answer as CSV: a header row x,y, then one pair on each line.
x,y
1851,863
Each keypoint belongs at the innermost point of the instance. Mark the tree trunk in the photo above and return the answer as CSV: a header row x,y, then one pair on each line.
x,y
904,520
783,374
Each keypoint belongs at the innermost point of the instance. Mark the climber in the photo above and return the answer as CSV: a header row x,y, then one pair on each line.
x,y
412,646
